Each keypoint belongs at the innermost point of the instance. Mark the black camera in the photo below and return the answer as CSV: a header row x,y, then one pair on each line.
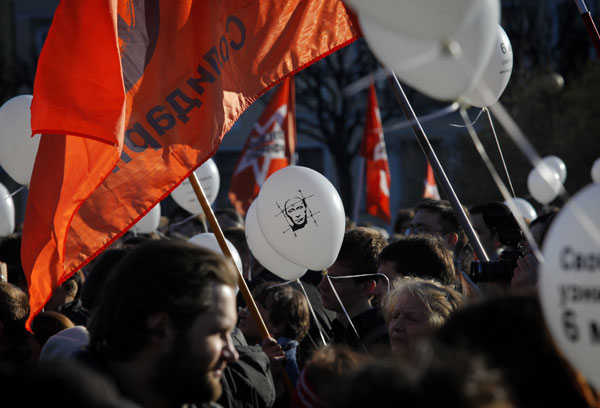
x,y
500,220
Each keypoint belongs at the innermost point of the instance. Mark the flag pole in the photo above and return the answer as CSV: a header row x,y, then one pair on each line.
x,y
437,167
250,304
586,16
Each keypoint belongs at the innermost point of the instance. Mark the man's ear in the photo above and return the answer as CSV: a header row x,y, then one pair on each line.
x,y
368,287
160,329
452,239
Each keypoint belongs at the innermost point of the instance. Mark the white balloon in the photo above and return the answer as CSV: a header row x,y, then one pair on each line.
x,y
7,212
17,147
426,64
428,19
208,175
496,74
263,252
543,183
570,281
525,208
208,240
557,165
302,217
596,171
149,222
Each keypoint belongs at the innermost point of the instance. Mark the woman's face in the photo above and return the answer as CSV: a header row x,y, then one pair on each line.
x,y
409,321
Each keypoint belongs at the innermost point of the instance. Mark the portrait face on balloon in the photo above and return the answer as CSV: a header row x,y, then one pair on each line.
x,y
295,210
301,216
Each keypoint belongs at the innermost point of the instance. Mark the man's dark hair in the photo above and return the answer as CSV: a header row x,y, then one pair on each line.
x,y
158,276
94,283
288,308
425,256
448,219
463,252
14,310
403,218
360,251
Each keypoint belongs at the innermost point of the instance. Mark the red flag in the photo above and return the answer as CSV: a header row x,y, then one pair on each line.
x,y
132,95
270,147
378,171
431,190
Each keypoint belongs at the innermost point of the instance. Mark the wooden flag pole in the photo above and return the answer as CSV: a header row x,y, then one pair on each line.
x,y
250,304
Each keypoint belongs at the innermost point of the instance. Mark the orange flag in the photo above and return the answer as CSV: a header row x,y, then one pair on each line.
x,y
431,190
377,167
270,147
132,95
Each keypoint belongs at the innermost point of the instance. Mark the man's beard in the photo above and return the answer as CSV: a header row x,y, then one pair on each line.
x,y
183,377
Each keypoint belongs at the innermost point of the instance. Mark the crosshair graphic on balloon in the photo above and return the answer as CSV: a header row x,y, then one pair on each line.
x,y
296,212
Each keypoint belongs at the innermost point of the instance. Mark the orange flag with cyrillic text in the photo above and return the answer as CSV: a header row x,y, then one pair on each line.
x,y
131,96
377,168
270,147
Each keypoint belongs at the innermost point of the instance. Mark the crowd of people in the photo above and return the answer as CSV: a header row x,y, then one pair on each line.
x,y
399,319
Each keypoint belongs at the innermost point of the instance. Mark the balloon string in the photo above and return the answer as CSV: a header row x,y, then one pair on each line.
x,y
16,191
387,280
501,186
500,151
175,224
276,285
423,119
517,136
346,313
312,312
473,122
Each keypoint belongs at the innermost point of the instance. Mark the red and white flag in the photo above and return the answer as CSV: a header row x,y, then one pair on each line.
x,y
431,190
377,167
270,147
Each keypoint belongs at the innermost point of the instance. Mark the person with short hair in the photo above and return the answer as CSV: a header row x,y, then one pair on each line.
x,y
488,237
437,217
415,307
320,378
14,310
425,256
350,297
162,330
286,315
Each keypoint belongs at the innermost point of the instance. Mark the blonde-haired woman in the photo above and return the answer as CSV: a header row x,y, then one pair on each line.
x,y
415,307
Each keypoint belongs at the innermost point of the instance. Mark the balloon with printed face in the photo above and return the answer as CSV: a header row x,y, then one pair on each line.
x,y
496,74
7,212
149,222
444,70
17,147
266,255
208,240
302,217
557,165
184,195
543,183
570,281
